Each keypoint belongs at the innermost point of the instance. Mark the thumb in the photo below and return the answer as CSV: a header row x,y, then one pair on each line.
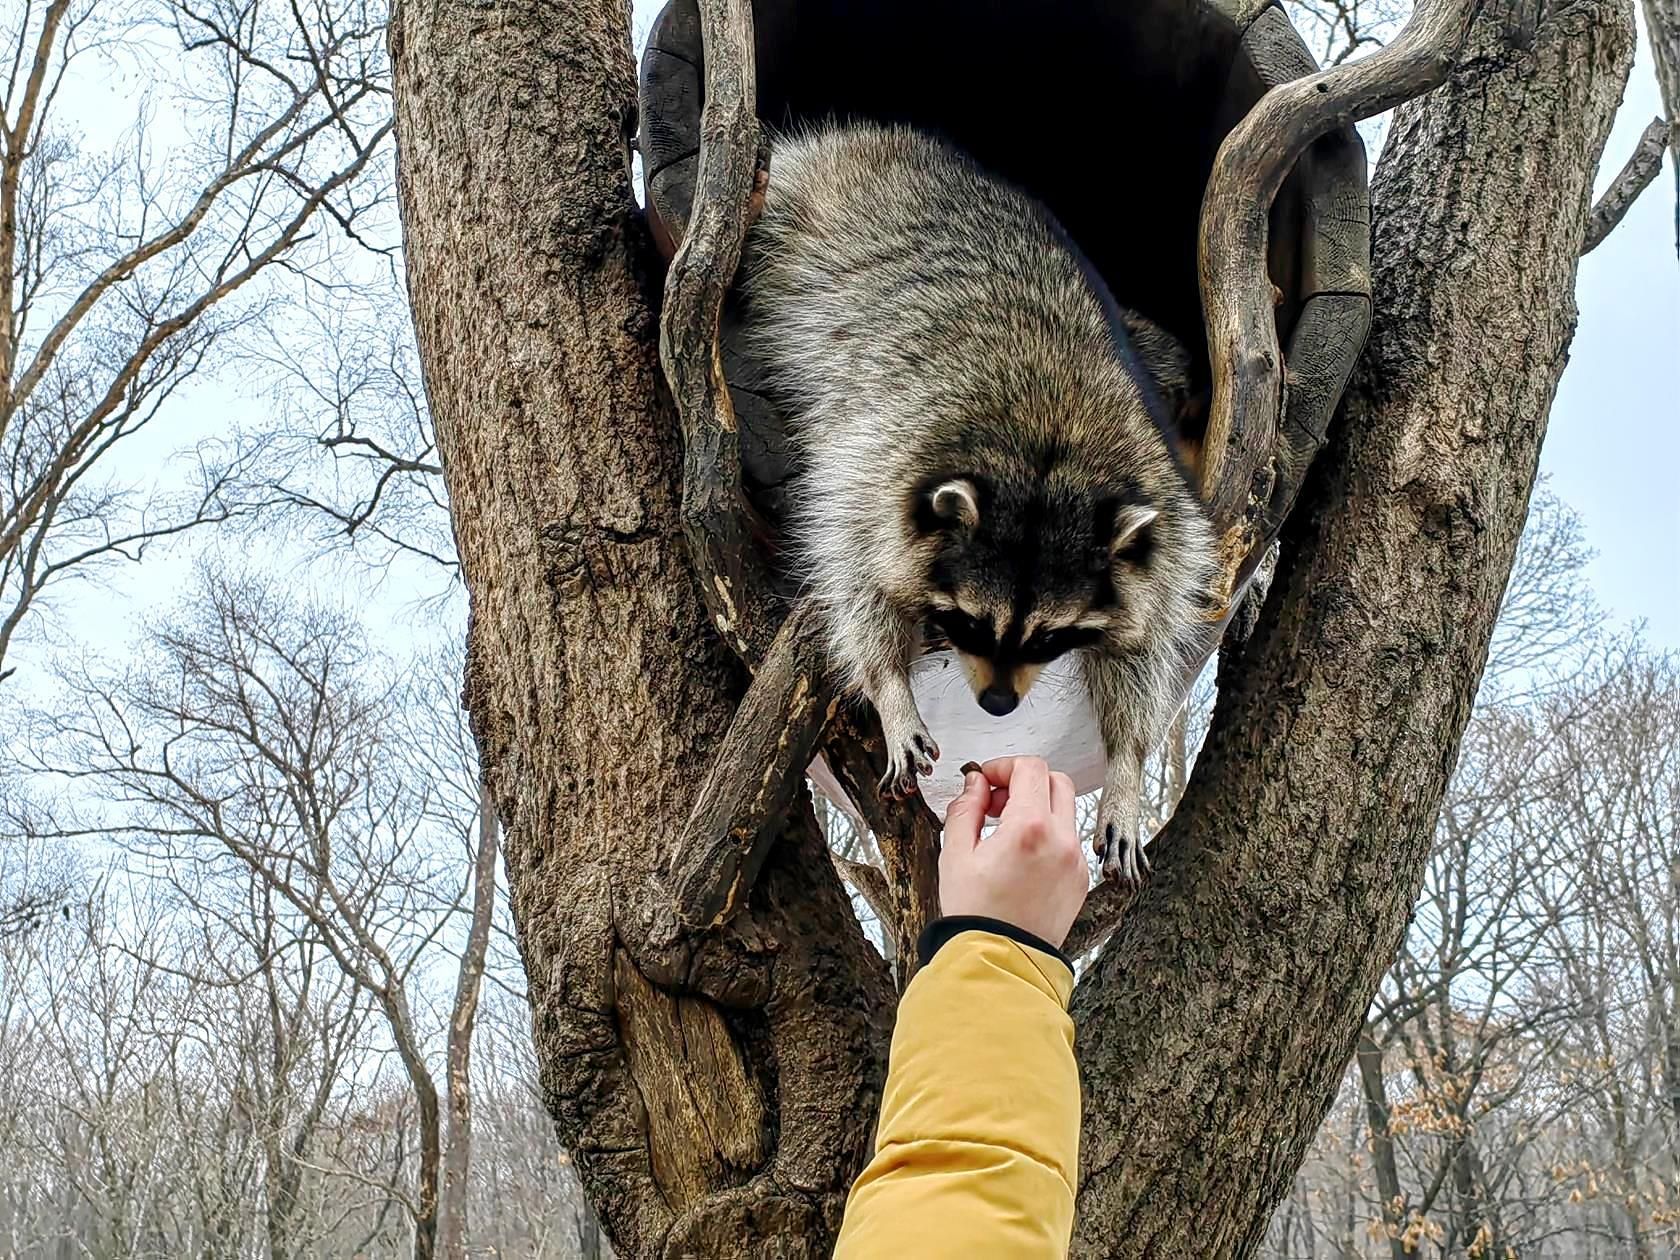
x,y
967,813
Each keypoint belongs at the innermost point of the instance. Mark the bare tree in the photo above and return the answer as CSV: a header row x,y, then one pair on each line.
x,y
1513,1091
123,271
439,749
112,1145
1548,620
298,1031
1458,1016
1616,944
185,1083
1337,30
258,733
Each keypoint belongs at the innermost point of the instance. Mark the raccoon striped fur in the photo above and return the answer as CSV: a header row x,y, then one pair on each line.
x,y
977,464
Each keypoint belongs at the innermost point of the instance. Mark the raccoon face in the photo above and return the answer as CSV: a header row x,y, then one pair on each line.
x,y
1020,575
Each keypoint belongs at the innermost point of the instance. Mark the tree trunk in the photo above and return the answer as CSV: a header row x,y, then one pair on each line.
x,y
428,1121
1474,1220
1369,1056
457,1151
717,1089
714,1088
1217,1022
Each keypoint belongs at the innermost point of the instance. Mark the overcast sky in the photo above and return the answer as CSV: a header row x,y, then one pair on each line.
x,y
1613,449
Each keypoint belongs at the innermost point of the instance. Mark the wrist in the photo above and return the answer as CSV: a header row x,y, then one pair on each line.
x,y
941,930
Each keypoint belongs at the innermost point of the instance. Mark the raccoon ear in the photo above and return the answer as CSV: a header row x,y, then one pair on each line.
x,y
951,502
1130,521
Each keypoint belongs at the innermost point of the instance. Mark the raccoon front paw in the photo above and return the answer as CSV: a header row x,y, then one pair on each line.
x,y
908,755
1123,858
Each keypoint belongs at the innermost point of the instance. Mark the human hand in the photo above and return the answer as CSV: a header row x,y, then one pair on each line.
x,y
1031,871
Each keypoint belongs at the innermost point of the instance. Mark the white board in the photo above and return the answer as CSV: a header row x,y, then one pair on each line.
x,y
1055,721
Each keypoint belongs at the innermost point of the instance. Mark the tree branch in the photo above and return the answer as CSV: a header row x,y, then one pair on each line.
x,y
1641,168
1240,453
723,540
906,832
754,775
1662,26
871,885
1098,917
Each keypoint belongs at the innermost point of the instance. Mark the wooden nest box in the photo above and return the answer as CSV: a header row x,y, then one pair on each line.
x,y
1114,114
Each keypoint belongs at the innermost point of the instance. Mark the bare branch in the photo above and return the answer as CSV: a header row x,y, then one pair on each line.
x,y
722,535
871,885
1239,454
755,772
1634,177
120,268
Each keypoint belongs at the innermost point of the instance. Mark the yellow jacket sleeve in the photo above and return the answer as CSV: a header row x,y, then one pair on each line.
x,y
978,1145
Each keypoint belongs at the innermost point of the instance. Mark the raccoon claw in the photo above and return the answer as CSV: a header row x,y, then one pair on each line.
x,y
896,786
1123,858
914,756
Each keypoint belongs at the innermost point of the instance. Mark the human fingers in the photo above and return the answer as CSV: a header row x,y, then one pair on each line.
x,y
999,796
1026,778
967,814
1061,797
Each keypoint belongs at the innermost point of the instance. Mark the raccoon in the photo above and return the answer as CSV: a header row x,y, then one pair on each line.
x,y
977,464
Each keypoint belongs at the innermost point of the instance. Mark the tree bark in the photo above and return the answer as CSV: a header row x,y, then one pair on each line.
x,y
1217,1022
469,981
709,1083
716,1086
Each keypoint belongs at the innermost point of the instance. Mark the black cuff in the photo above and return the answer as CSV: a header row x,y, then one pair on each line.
x,y
935,934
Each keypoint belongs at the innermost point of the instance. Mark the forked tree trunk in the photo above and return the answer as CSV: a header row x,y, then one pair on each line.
x,y
719,1090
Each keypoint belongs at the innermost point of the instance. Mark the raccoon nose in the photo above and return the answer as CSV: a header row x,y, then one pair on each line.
x,y
999,700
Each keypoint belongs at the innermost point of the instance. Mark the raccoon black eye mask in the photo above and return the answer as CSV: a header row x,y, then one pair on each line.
x,y
979,460
978,638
